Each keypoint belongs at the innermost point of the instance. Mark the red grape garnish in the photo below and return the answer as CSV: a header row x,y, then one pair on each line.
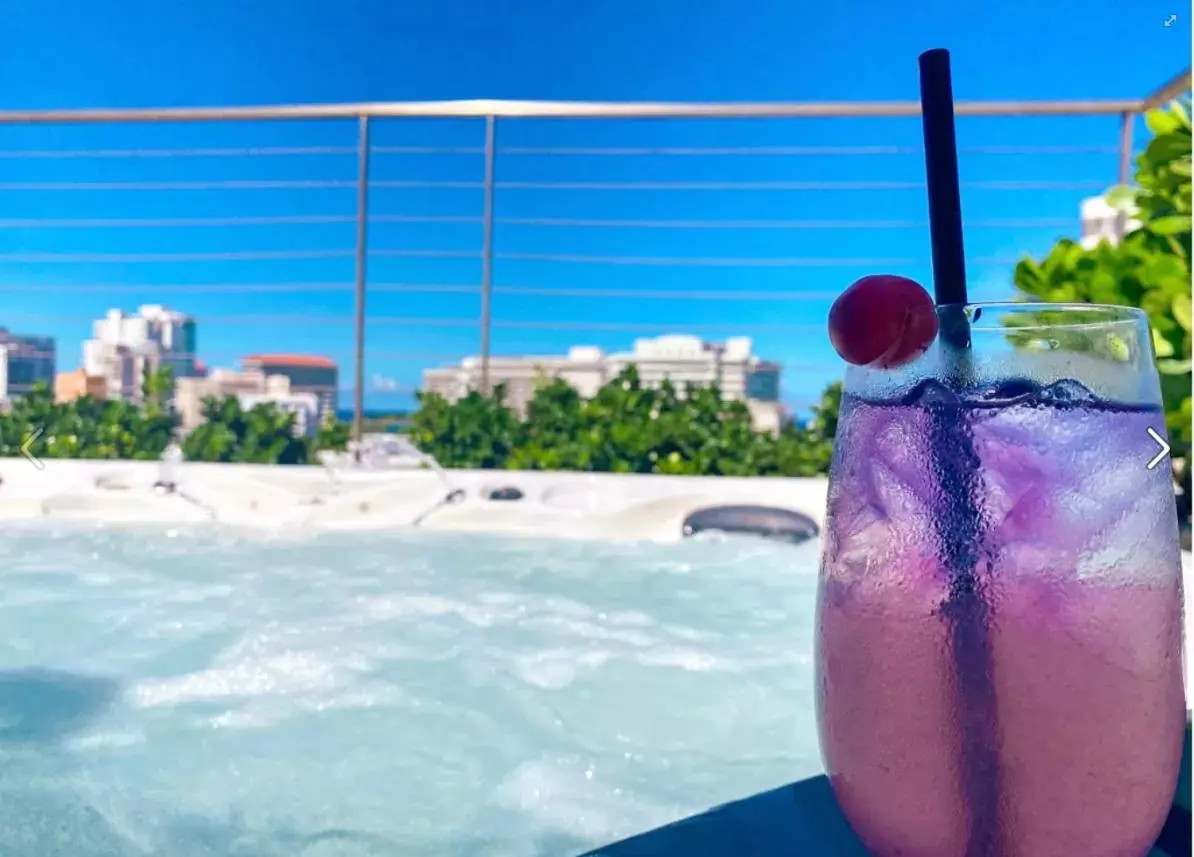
x,y
883,321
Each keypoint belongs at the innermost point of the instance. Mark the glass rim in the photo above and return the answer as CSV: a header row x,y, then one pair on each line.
x,y
1108,315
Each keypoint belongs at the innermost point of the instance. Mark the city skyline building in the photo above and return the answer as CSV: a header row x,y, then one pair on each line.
x,y
25,360
72,385
251,388
681,358
307,373
190,393
124,346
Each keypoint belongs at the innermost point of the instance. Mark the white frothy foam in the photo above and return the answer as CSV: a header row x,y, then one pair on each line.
x,y
201,692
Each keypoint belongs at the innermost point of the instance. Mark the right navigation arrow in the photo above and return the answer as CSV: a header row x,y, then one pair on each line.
x,y
1160,456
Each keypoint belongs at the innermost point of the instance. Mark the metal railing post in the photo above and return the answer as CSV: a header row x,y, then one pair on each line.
x,y
1125,147
487,250
1127,120
362,261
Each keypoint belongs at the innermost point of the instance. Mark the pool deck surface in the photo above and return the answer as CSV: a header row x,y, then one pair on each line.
x,y
582,506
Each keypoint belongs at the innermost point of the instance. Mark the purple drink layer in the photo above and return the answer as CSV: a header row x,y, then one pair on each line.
x,y
1078,568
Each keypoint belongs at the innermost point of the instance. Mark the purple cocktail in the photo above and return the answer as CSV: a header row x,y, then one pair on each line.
x,y
1040,712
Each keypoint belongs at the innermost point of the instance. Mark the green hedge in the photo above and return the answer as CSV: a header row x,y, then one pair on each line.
x,y
625,428
112,429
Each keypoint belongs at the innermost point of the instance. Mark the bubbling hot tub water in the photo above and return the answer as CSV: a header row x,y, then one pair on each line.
x,y
196,692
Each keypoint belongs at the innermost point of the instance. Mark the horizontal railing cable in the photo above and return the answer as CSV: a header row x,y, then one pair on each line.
x,y
792,151
732,261
241,355
586,151
247,152
171,222
547,222
230,184
137,154
231,255
786,185
311,184
233,288
591,223
412,321
215,256
649,261
423,288
453,360
418,321
105,186
667,294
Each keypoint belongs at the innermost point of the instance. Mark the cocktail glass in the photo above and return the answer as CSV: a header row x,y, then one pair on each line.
x,y
1000,607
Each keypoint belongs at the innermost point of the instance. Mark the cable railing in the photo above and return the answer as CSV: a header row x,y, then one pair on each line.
x,y
397,247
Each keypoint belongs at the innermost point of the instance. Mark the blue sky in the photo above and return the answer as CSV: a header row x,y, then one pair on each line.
x,y
56,275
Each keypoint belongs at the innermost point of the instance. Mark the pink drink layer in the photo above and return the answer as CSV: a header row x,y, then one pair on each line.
x,y
1080,570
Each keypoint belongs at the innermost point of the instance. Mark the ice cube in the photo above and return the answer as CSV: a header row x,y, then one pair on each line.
x,y
1067,392
1007,390
931,392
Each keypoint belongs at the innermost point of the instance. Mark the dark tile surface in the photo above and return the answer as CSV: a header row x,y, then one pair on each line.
x,y
803,820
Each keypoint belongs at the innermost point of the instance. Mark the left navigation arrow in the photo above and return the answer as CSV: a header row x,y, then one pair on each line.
x,y
27,448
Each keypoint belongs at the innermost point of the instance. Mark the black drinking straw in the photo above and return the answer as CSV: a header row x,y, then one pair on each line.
x,y
959,523
941,174
945,206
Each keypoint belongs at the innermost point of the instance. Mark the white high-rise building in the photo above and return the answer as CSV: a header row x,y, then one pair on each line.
x,y
1102,222
682,359
123,346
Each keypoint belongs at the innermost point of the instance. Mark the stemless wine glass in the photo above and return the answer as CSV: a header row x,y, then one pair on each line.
x,y
999,611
